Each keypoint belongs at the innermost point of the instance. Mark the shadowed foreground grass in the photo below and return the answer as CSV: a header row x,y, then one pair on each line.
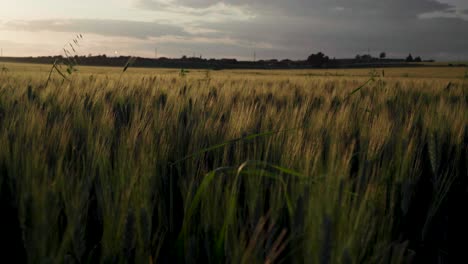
x,y
231,168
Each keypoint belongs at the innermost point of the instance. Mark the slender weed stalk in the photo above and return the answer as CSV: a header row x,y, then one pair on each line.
x,y
68,61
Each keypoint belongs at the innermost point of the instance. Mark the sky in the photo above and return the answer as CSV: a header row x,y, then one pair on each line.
x,y
275,29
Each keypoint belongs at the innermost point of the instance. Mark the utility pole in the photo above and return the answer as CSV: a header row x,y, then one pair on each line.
x,y
155,53
255,54
254,51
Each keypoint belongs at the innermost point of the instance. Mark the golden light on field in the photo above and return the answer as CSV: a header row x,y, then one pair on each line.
x,y
304,158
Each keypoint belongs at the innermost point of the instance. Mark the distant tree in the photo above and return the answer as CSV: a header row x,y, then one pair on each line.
x,y
366,57
383,55
409,58
358,57
417,59
318,59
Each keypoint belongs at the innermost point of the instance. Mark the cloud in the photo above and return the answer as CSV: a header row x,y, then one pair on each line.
x,y
199,10
394,8
135,29
337,27
42,37
283,29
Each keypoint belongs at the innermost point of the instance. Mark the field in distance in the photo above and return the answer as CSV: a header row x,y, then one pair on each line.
x,y
235,166
408,72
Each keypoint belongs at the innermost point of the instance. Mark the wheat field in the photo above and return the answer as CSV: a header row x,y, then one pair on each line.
x,y
245,166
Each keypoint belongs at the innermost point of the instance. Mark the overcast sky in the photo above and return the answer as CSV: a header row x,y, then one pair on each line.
x,y
234,28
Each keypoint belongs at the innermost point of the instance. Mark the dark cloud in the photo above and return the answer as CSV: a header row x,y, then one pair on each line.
x,y
122,28
427,37
394,8
339,27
